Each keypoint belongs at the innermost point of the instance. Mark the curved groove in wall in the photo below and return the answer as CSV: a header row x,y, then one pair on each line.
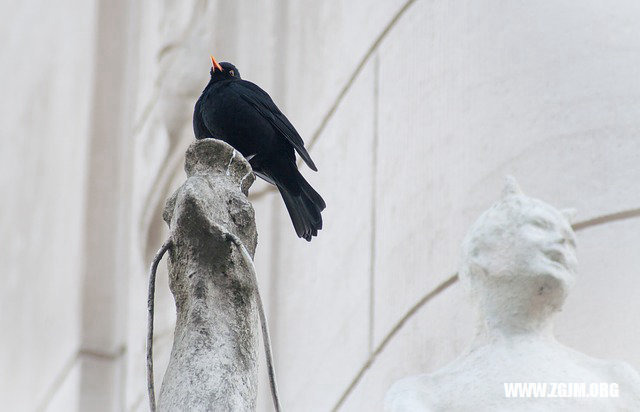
x,y
601,220
57,382
347,86
356,72
145,115
68,367
408,315
578,226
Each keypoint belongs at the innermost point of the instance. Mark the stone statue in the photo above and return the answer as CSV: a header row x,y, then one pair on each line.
x,y
519,262
213,363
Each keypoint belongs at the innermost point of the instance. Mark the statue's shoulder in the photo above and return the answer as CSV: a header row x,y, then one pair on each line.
x,y
621,374
624,370
611,370
626,376
414,393
432,392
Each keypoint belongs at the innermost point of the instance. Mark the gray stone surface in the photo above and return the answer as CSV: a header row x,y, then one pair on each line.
x,y
213,363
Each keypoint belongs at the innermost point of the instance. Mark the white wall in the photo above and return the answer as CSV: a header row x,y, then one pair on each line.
x,y
45,109
453,96
413,111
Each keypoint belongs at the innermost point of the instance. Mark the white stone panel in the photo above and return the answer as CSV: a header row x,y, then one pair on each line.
x,y
263,260
601,315
46,82
258,31
100,385
321,312
324,42
472,91
66,397
434,336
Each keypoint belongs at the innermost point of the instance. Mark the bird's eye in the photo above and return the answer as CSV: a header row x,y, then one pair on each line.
x,y
231,72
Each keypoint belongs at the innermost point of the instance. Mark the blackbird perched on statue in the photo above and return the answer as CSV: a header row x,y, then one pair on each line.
x,y
243,115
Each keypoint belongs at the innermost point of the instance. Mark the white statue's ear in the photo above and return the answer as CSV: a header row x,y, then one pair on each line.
x,y
569,214
511,187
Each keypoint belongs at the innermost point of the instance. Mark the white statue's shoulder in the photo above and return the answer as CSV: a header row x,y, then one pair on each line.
x,y
623,371
410,394
629,380
608,370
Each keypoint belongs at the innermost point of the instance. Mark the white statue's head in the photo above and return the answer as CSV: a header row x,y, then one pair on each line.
x,y
519,259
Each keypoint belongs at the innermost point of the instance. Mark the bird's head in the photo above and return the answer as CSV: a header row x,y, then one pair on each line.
x,y
224,70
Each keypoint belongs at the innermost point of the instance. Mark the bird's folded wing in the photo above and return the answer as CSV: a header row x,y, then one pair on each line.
x,y
261,101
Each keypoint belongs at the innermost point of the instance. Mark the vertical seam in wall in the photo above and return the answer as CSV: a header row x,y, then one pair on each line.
x,y
392,333
370,51
374,185
347,86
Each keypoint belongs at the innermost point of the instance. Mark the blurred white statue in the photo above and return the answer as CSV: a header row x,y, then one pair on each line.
x,y
519,263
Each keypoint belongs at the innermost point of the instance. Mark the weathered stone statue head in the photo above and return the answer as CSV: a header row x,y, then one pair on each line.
x,y
519,261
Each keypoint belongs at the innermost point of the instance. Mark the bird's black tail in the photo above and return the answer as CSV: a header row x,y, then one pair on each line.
x,y
303,203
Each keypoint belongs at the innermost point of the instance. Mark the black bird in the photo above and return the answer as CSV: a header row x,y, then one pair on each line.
x,y
243,115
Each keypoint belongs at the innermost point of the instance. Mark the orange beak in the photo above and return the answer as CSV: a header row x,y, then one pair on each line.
x,y
215,64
